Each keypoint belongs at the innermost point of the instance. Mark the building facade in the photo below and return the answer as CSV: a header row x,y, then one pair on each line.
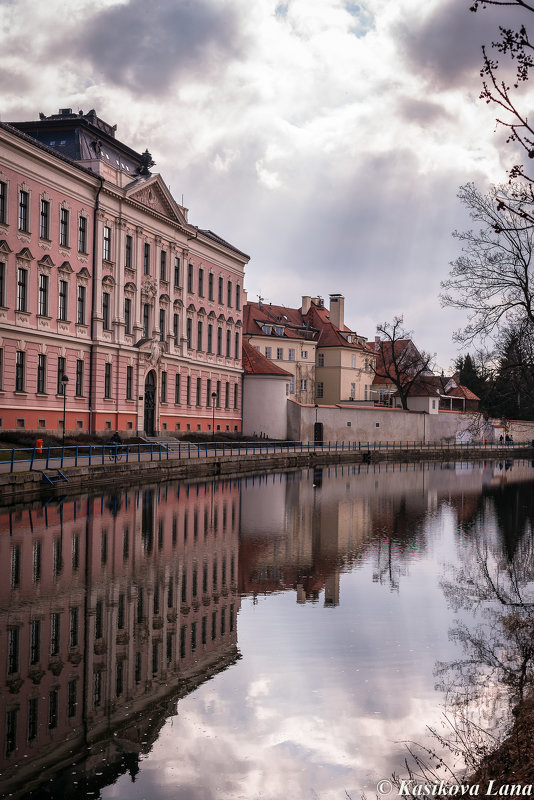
x,y
108,286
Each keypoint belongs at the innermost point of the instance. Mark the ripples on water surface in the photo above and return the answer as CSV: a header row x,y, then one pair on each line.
x,y
269,637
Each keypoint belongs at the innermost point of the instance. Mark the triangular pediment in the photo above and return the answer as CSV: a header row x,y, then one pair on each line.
x,y
46,261
25,253
84,273
4,247
154,194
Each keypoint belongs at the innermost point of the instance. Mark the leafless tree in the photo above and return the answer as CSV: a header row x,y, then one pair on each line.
x,y
398,360
493,278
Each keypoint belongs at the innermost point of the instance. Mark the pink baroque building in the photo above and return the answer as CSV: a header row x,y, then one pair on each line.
x,y
104,281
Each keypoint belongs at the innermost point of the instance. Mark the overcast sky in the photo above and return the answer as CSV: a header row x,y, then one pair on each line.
x,y
326,138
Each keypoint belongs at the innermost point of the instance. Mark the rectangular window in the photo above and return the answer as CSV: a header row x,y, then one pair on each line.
x,y
22,289
44,222
176,329
236,395
43,295
41,374
279,353
107,381
190,278
24,211
219,341
292,386
82,234
129,383
304,353
35,641
63,300
128,249
146,259
177,389
200,343
210,286
3,201
176,271
163,266
33,708
236,345
12,650
291,354
189,333
229,294
64,215
71,698
60,373
188,390
303,385
2,283
99,619
208,392
52,708
218,390
268,352
227,395
163,387
228,343
146,320
210,338
201,282
353,391
11,730
162,324
20,370
105,310
79,378
80,306
221,291
199,390
320,360
106,253
127,315
55,627
73,627
319,389
36,562
97,689
238,296
75,552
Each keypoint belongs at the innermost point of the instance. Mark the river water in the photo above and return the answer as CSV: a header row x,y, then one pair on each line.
x,y
281,636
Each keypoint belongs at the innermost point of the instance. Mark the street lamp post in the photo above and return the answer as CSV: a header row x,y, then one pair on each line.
x,y
64,381
213,399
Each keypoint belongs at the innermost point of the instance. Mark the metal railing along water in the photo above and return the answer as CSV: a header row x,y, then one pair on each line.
x,y
114,454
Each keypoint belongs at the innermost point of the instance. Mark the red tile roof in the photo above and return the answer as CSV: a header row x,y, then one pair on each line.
x,y
289,319
463,391
254,363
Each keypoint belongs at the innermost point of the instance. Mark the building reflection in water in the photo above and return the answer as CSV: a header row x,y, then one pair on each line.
x,y
111,608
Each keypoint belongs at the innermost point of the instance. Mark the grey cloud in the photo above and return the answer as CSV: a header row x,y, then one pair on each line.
x,y
145,46
423,112
445,48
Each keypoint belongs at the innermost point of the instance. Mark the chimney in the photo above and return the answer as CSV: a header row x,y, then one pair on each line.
x,y
337,311
377,344
306,304
244,297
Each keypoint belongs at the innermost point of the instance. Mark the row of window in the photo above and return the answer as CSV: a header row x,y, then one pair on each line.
x,y
44,295
62,380
35,641
231,291
45,219
33,715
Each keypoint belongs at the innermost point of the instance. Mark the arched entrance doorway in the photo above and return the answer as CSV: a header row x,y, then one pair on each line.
x,y
150,403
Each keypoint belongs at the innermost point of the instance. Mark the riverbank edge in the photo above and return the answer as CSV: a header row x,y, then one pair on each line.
x,y
21,486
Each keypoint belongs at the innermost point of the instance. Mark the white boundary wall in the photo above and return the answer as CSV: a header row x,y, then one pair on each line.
x,y
368,424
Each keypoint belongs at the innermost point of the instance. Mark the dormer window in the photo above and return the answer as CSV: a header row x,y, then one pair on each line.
x,y
266,329
279,331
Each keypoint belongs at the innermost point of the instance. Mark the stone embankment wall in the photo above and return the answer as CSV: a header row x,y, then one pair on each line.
x,y
21,486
